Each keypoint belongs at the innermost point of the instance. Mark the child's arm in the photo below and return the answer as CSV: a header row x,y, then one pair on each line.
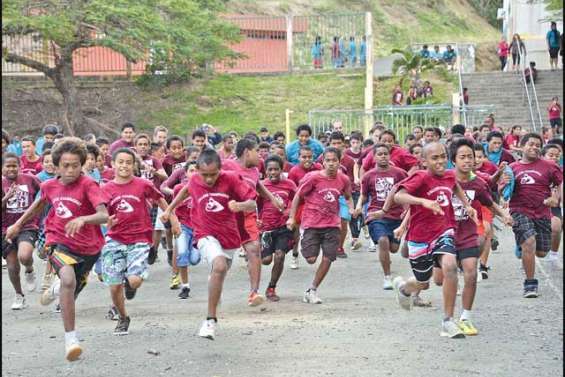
x,y
398,232
261,190
33,211
291,222
404,198
247,206
181,196
498,211
100,217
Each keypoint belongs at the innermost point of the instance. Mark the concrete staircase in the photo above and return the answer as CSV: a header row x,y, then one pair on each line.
x,y
505,91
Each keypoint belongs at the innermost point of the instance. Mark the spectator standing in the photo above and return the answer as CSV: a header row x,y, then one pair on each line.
x,y
427,90
502,52
317,52
335,53
412,95
424,52
449,57
304,134
554,110
553,40
352,52
264,135
363,52
436,54
517,48
531,73
397,96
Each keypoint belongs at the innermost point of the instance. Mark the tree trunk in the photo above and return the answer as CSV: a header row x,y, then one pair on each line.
x,y
73,118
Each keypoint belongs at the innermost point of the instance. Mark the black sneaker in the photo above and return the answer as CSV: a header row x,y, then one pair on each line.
x,y
112,313
152,256
122,328
530,288
494,243
484,271
170,257
184,293
129,291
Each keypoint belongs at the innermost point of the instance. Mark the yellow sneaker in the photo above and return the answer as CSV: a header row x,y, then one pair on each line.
x,y
175,281
467,327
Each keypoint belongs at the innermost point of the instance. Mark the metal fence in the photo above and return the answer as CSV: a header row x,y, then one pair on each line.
x,y
465,53
400,119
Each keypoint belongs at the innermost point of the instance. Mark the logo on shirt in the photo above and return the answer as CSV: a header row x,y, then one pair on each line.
x,y
527,179
124,206
179,165
458,208
62,211
442,199
213,206
19,201
329,197
383,186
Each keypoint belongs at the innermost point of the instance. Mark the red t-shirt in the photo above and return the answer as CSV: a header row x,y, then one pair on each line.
x,y
347,164
488,168
107,175
424,225
210,213
510,141
223,155
79,198
249,175
298,172
178,176
148,175
478,194
533,184
554,112
108,161
357,157
321,199
377,184
129,203
120,143
398,157
29,167
270,216
171,164
27,189
184,209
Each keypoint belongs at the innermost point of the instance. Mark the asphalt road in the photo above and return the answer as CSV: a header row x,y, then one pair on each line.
x,y
358,331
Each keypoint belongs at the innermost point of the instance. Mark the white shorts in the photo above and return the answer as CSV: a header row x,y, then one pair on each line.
x,y
158,223
210,249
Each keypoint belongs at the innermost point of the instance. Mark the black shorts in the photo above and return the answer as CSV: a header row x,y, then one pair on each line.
x,y
557,212
29,236
424,257
60,256
524,228
153,212
312,239
471,252
280,239
555,122
553,52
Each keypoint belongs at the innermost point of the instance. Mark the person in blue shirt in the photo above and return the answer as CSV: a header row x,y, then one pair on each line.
x,y
363,52
553,39
11,145
352,52
449,57
317,52
304,134
436,54
48,136
341,45
424,52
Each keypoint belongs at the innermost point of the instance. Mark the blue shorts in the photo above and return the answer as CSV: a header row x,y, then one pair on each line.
x,y
119,261
343,209
382,228
187,254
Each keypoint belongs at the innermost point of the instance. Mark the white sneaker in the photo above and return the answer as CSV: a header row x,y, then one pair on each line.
x,y
311,297
19,302
387,283
553,257
242,253
30,281
451,330
51,293
294,263
4,263
404,301
73,349
372,248
479,276
208,329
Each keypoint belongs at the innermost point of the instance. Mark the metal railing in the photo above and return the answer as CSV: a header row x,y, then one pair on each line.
x,y
522,67
459,73
535,99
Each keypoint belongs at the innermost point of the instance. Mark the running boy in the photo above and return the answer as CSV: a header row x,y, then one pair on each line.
x,y
552,152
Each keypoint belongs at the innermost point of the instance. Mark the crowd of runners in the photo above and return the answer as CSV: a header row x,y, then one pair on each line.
x,y
91,205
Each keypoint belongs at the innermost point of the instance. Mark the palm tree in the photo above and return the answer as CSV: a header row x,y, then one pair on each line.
x,y
410,63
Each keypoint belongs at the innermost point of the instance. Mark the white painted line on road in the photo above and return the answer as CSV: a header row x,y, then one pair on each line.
x,y
548,279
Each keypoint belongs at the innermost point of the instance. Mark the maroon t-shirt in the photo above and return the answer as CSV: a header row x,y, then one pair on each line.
x,y
488,168
298,172
171,164
130,203
249,175
79,198
183,210
147,174
27,188
178,176
107,175
347,164
120,143
377,184
355,156
108,161
211,215
270,216
225,156
510,141
398,157
424,225
477,192
533,184
29,167
321,199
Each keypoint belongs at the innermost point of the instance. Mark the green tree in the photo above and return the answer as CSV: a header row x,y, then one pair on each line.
x,y
410,64
172,34
555,8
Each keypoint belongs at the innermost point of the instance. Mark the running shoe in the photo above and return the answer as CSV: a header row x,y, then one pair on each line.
x,y
272,295
467,327
73,349
366,232
483,270
531,288
356,245
494,243
122,328
255,299
420,302
294,262
129,291
184,293
175,281
242,253
30,281
57,308
311,297
341,253
152,256
112,314
208,329
450,329
47,281
553,257
387,283
404,301
372,248
4,263
19,302
51,293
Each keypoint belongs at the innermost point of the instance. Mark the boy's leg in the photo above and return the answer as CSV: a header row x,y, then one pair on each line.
x,y
449,271
328,242
384,254
278,267
556,230
14,269
67,296
220,266
469,266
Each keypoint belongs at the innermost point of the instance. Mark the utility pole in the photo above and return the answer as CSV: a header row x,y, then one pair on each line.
x,y
369,74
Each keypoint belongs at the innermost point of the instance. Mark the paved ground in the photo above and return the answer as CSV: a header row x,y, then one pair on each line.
x,y
357,331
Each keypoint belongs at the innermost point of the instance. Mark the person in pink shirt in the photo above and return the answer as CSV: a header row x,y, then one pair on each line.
x,y
502,51
399,157
30,161
321,222
512,140
227,152
130,233
554,110
72,229
431,232
217,196
553,152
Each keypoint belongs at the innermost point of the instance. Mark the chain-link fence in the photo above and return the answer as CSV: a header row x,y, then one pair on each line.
x,y
399,119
